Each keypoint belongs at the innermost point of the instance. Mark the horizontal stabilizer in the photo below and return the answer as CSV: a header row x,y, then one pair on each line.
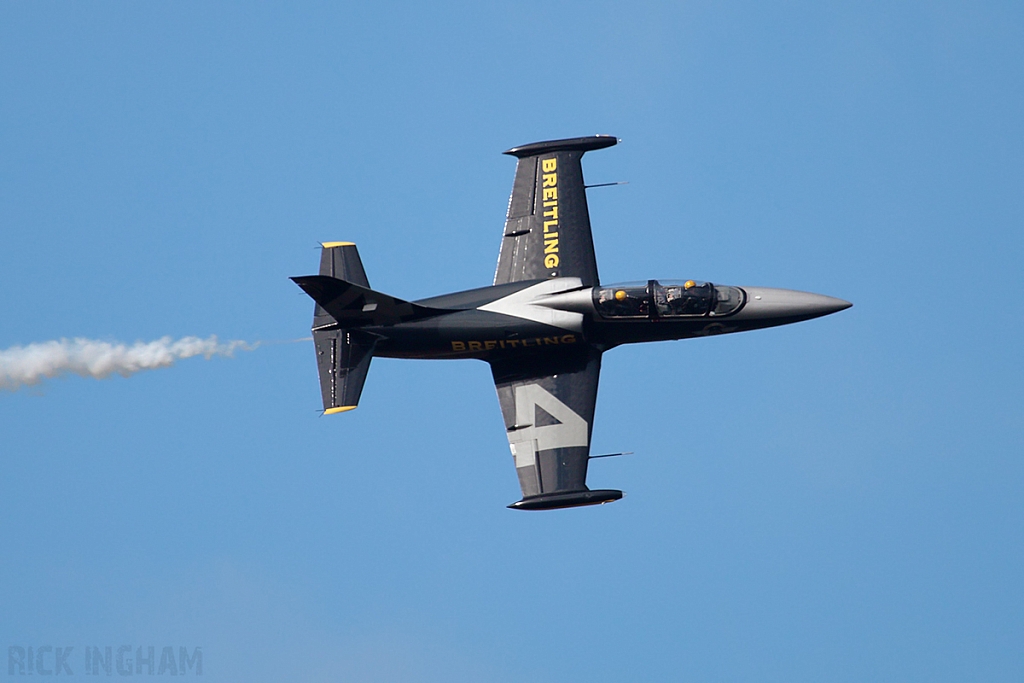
x,y
341,260
353,305
342,359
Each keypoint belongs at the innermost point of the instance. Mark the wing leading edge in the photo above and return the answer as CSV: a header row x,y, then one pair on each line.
x,y
548,421
547,228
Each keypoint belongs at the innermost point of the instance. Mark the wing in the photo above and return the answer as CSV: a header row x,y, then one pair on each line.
x,y
547,230
548,418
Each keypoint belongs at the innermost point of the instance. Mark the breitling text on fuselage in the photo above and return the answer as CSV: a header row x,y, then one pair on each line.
x,y
491,344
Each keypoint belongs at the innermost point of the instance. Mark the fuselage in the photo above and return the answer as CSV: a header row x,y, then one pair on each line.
x,y
542,327
558,314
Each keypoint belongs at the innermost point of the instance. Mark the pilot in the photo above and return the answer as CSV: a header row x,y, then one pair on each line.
x,y
685,300
618,302
606,301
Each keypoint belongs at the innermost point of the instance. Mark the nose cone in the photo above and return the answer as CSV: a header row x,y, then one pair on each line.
x,y
769,304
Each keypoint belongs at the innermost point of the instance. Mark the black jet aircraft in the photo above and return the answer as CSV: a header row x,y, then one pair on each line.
x,y
542,326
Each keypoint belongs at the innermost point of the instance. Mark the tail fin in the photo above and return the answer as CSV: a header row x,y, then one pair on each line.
x,y
344,298
353,306
344,303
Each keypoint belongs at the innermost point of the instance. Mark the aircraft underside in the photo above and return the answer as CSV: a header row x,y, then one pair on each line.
x,y
543,325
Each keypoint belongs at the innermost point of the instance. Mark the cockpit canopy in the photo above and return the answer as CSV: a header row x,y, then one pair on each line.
x,y
673,299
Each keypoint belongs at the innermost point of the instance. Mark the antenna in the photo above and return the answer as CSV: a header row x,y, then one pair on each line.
x,y
621,182
610,455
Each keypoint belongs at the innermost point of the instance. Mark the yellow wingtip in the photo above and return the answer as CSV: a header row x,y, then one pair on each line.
x,y
328,245
339,409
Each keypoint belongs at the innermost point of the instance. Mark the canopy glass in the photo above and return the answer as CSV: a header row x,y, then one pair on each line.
x,y
682,299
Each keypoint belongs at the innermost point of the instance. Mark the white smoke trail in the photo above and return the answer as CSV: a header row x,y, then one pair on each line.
x,y
31,364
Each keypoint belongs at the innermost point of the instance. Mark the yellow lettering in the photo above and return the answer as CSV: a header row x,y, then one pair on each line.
x,y
550,340
569,339
549,196
488,345
475,346
458,346
513,343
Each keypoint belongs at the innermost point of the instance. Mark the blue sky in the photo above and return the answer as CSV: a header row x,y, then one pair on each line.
x,y
838,500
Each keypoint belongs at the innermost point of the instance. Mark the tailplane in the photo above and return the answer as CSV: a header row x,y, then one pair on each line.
x,y
342,359
344,304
